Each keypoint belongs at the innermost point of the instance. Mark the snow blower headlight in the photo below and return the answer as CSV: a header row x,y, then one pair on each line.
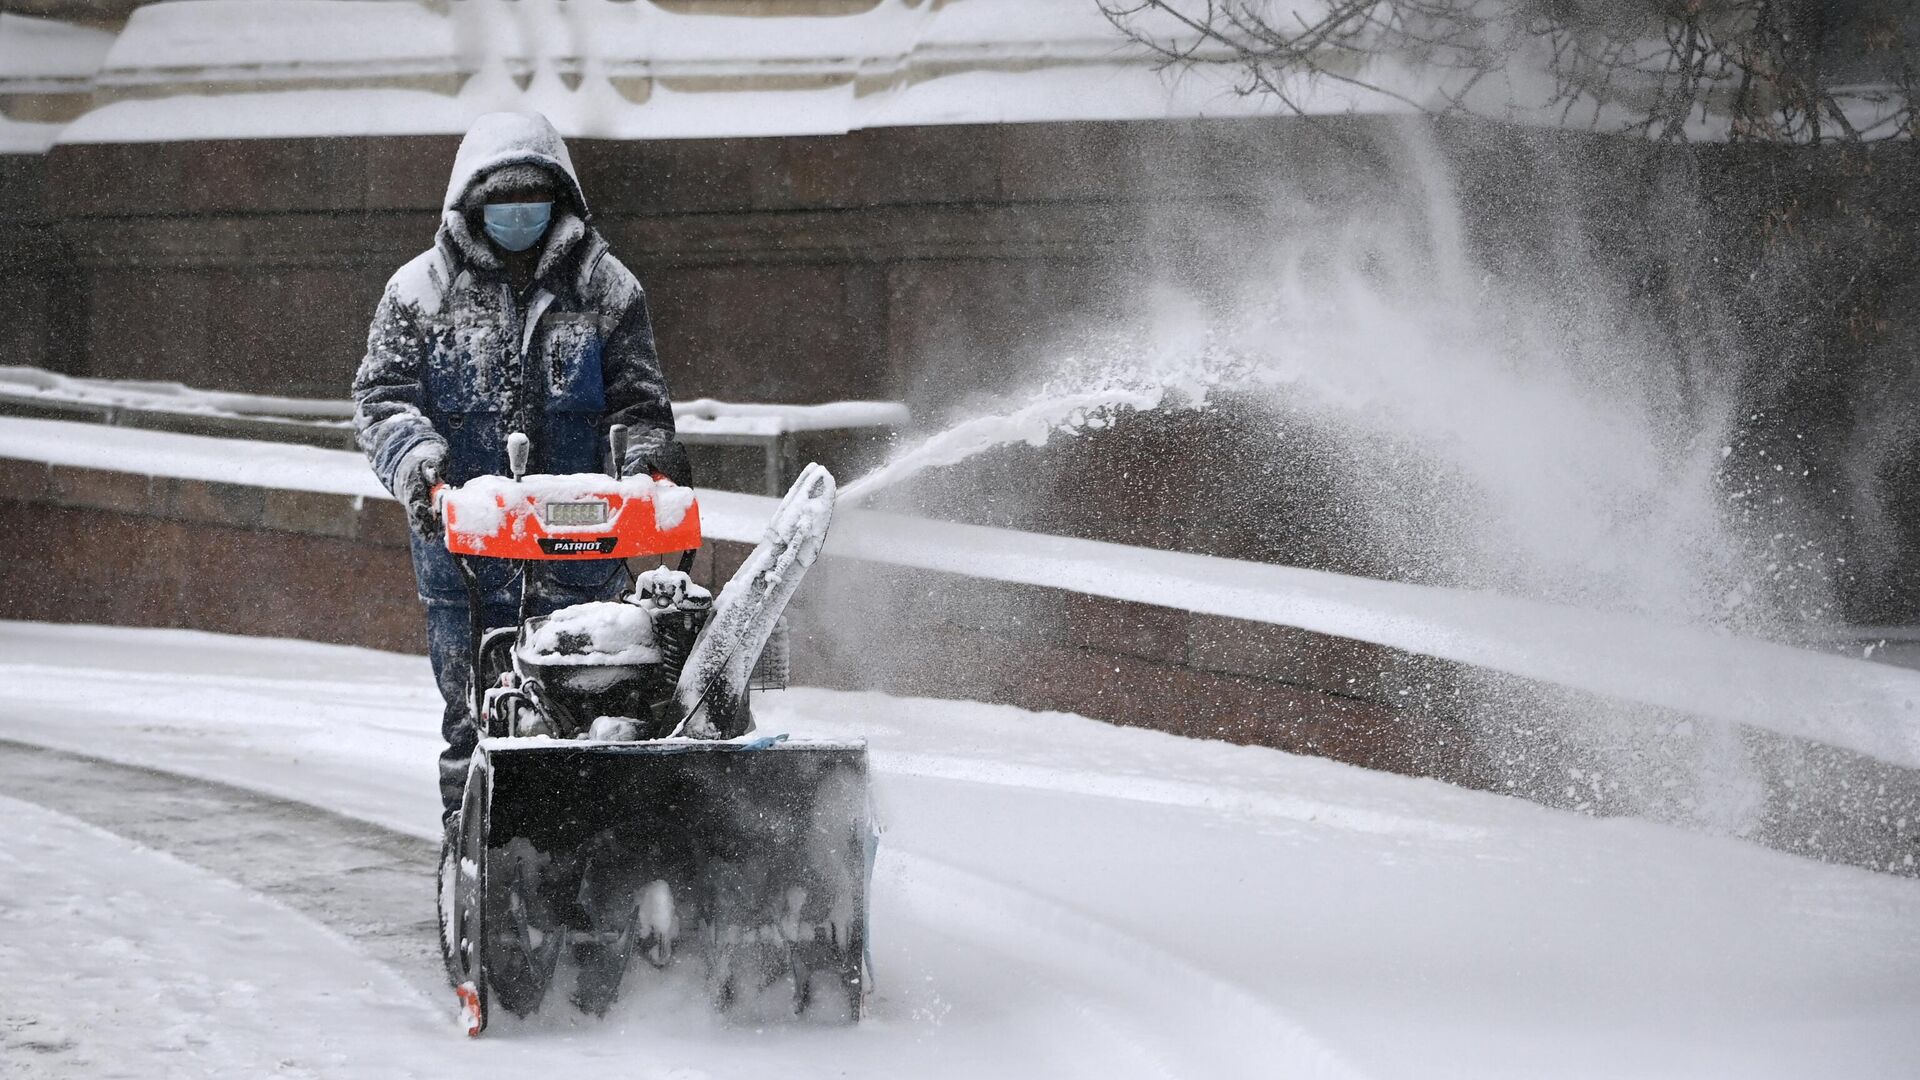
x,y
576,513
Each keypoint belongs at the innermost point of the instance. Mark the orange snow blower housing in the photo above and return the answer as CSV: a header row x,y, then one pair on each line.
x,y
584,516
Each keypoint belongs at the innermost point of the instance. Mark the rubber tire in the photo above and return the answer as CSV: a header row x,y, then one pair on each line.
x,y
465,918
445,887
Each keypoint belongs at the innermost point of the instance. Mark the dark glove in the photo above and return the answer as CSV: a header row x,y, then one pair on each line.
x,y
661,454
419,472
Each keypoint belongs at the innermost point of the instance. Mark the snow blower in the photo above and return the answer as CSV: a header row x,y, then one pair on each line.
x,y
620,804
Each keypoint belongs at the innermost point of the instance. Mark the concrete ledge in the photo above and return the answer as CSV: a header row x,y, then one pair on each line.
x,y
86,564
376,522
96,545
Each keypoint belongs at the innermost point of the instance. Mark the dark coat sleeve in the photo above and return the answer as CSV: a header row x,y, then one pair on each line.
x,y
389,390
636,389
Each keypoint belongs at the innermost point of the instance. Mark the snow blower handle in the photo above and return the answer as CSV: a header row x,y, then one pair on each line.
x,y
518,447
617,446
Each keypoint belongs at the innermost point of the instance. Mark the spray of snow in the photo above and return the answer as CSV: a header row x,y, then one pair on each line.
x,y
1084,392
655,921
1509,427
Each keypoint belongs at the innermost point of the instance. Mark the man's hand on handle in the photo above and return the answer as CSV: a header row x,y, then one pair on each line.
x,y
419,473
660,455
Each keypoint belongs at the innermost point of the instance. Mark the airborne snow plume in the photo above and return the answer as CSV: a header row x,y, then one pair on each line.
x,y
1084,391
1519,426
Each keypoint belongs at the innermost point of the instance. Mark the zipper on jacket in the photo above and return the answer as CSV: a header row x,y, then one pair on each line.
x,y
526,320
517,415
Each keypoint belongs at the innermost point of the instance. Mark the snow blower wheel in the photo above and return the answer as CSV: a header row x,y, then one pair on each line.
x,y
463,870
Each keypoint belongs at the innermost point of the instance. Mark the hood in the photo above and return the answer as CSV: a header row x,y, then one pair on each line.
x,y
506,138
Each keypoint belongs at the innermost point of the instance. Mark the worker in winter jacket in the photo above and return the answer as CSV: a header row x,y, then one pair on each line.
x,y
517,319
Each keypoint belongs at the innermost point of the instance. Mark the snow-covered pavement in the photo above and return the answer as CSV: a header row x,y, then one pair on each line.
x,y
119,961
1055,897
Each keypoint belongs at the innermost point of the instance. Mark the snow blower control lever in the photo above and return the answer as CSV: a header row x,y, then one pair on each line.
x,y
518,447
617,450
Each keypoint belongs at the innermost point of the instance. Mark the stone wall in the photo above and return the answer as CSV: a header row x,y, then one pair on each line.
x,y
903,264
86,545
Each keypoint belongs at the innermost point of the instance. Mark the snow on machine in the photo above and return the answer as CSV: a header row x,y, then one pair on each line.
x,y
620,811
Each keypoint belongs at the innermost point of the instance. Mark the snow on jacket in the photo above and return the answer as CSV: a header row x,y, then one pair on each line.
x,y
456,360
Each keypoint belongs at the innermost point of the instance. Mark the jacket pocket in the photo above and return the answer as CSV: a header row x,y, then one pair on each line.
x,y
466,372
476,445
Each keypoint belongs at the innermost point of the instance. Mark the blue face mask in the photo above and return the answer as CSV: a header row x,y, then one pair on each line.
x,y
517,226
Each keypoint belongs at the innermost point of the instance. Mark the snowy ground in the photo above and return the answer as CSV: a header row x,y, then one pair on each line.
x,y
1055,897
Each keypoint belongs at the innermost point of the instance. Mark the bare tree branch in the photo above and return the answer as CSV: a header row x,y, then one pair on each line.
x,y
1752,70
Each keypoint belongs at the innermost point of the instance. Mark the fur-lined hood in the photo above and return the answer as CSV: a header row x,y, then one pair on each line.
x,y
506,138
495,141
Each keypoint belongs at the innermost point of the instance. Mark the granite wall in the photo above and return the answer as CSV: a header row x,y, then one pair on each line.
x,y
794,269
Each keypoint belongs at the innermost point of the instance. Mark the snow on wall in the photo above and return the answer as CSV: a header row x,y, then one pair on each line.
x,y
1870,708
217,40
709,416
28,137
43,58
621,69
190,457
48,55
630,69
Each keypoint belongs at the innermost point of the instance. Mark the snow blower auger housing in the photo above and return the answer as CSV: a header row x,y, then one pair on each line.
x,y
620,804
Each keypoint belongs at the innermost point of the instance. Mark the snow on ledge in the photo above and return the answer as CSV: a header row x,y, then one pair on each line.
x,y
48,55
699,416
707,416
1870,708
250,462
32,383
615,69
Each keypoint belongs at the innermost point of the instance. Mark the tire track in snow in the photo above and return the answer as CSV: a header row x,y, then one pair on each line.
x,y
369,884
119,958
1199,1011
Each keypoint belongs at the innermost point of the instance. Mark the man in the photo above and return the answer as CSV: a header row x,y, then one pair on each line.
x,y
517,319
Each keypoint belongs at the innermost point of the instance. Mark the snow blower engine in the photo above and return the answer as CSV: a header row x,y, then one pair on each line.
x,y
620,803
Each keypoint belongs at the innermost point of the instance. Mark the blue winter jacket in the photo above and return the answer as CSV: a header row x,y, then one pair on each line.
x,y
456,360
